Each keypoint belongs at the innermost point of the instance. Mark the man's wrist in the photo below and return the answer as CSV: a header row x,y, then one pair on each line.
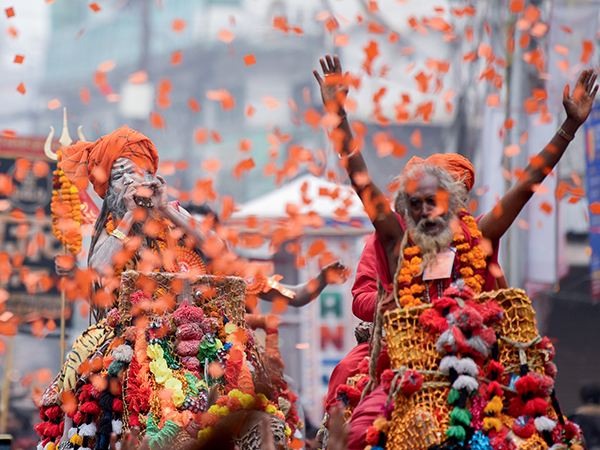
x,y
570,126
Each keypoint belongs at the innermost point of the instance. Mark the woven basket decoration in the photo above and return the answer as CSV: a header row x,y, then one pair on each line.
x,y
419,419
226,294
519,326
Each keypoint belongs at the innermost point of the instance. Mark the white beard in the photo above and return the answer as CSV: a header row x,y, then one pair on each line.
x,y
430,245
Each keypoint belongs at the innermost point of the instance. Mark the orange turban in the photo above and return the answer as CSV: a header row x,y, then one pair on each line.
x,y
94,160
456,165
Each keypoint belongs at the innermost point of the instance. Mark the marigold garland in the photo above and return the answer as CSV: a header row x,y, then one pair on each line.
x,y
66,211
471,265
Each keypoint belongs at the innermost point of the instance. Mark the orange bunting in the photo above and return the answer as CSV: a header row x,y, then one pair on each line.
x,y
21,88
10,12
94,7
249,59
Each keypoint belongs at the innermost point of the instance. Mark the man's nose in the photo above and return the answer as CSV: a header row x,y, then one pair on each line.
x,y
427,210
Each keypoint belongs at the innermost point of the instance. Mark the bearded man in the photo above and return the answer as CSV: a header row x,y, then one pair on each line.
x,y
439,241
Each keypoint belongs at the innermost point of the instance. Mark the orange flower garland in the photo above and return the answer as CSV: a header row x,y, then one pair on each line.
x,y
471,258
66,211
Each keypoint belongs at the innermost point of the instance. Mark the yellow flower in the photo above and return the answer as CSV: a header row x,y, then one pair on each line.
x,y
155,351
288,430
271,409
175,385
160,370
222,411
235,393
263,398
204,435
247,401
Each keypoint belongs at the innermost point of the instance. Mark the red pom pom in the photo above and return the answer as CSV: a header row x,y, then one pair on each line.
x,y
494,370
464,292
188,348
134,421
411,382
488,335
492,389
433,322
515,406
90,408
189,332
547,346
445,304
77,418
372,435
362,383
535,407
386,379
191,363
527,384
53,412
41,428
524,427
550,369
468,319
117,405
363,366
348,394
187,314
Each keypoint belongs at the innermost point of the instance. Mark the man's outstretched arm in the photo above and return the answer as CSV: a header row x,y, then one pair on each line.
x,y
577,107
333,92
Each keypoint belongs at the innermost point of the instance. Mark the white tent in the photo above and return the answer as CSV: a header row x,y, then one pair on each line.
x,y
307,194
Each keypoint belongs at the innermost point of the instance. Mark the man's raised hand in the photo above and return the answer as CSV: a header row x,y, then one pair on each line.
x,y
579,105
333,88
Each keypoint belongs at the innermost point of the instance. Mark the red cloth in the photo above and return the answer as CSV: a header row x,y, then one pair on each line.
x,y
363,417
348,367
94,160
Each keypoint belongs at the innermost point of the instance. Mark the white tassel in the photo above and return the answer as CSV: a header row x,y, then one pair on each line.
x,y
40,446
117,446
543,423
87,430
479,345
447,363
465,382
467,366
72,432
446,339
117,427
123,353
84,448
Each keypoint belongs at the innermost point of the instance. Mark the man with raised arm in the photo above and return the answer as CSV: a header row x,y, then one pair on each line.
x,y
440,241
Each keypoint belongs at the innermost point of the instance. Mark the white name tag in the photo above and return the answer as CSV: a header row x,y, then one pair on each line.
x,y
441,267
